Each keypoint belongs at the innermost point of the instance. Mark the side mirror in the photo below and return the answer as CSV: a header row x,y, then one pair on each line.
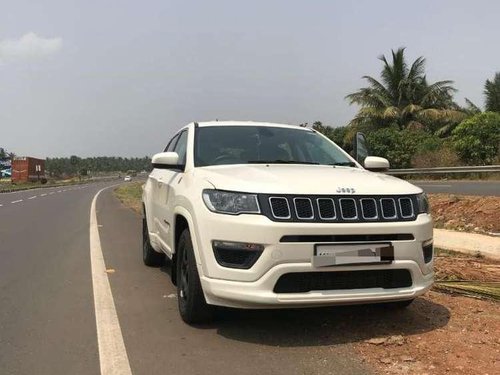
x,y
166,160
360,147
376,164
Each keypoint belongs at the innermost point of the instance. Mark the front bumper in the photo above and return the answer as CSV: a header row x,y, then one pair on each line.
x,y
259,294
253,288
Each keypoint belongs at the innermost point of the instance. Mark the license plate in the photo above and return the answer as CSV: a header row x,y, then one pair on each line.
x,y
345,254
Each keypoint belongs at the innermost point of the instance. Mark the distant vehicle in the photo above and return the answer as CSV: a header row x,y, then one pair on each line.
x,y
127,178
27,169
259,215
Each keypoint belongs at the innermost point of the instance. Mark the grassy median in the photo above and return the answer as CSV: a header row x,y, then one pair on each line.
x,y
130,195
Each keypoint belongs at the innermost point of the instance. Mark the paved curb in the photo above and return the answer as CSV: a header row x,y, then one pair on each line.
x,y
469,243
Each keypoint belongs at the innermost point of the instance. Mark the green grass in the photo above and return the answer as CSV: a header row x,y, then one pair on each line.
x,y
130,195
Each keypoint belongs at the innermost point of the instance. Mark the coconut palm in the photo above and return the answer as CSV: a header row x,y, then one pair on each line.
x,y
405,98
492,94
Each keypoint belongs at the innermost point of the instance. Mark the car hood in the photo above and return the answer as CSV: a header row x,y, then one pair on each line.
x,y
303,179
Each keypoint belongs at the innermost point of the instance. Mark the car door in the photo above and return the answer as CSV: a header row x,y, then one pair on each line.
x,y
156,177
167,178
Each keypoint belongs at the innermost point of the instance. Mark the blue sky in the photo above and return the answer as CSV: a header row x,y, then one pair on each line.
x,y
119,77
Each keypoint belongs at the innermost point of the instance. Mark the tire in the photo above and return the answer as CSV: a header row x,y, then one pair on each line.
x,y
192,305
150,257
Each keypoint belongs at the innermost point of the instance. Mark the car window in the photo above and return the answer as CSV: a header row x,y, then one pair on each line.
x,y
181,147
216,145
171,144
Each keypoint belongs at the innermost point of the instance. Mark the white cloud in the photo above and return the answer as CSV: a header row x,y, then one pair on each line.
x,y
28,48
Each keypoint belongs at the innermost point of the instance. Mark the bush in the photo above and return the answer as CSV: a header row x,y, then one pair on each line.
x,y
477,139
400,146
336,134
442,157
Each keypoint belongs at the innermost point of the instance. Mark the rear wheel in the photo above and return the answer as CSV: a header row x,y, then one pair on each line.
x,y
150,257
192,305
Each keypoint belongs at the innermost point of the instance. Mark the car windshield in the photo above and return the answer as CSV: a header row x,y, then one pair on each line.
x,y
218,145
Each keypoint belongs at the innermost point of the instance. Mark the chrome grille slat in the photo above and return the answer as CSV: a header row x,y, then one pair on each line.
x,y
303,208
386,212
276,209
365,208
406,207
344,208
325,208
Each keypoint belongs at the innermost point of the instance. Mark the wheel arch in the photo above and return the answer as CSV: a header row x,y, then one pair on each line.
x,y
183,220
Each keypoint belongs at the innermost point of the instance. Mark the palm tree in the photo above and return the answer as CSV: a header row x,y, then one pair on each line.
x,y
492,94
403,97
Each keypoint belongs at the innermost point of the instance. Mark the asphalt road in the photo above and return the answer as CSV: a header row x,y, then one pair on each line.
x,y
460,187
48,316
48,320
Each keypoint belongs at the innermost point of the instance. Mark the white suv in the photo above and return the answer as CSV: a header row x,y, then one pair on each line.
x,y
260,215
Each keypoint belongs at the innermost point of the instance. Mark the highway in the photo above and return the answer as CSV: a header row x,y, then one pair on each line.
x,y
463,187
48,315
62,314
76,299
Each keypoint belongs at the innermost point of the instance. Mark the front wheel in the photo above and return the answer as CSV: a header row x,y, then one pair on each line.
x,y
192,305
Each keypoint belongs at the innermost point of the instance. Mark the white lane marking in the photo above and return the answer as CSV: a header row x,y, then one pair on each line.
x,y
1,205
19,200
59,191
33,197
113,357
43,195
51,193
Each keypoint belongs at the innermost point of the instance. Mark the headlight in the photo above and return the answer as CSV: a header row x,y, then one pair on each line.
x,y
229,202
423,204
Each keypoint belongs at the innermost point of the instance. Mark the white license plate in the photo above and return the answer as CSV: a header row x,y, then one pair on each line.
x,y
341,254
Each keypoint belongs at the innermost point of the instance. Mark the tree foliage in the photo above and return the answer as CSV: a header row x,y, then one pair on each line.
x,y
75,165
336,134
477,139
404,98
492,94
400,146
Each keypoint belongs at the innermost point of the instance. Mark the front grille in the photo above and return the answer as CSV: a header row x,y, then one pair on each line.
x,y
369,208
388,208
339,208
406,207
326,208
348,209
303,208
280,208
303,282
347,237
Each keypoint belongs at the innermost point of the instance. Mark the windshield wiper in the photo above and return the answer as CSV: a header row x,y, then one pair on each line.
x,y
279,161
344,164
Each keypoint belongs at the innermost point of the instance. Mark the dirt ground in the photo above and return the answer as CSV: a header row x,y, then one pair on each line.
x,y
465,213
462,334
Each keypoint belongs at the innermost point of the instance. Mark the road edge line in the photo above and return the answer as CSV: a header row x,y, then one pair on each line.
x,y
113,357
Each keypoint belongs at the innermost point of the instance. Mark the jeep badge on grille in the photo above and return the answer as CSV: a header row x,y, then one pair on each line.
x,y
346,190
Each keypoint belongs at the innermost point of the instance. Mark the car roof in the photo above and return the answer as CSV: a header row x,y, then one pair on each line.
x,y
249,123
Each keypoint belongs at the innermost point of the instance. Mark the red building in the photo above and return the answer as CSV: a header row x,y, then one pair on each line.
x,y
26,169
